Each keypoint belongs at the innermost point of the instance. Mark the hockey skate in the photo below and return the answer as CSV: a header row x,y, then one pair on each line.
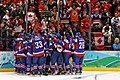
x,y
56,72
68,72
45,73
34,72
28,73
78,72
23,72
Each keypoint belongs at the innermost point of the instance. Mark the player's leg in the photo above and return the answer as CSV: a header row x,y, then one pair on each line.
x,y
17,65
60,63
47,63
77,64
23,65
72,64
20,64
41,65
35,65
54,57
80,63
29,64
66,61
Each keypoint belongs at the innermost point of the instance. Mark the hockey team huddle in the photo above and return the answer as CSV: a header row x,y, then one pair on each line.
x,y
44,54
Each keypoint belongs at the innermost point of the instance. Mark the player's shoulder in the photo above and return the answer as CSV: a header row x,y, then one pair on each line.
x,y
81,39
25,42
19,39
75,40
66,40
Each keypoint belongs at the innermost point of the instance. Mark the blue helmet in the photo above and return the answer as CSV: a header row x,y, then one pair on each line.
x,y
78,34
22,35
28,36
67,34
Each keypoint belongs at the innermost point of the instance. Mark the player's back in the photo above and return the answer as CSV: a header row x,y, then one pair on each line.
x,y
80,45
67,44
19,47
38,45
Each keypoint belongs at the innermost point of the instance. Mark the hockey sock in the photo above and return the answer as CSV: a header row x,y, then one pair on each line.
x,y
34,70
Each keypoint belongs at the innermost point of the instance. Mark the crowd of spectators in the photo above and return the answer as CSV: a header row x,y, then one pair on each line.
x,y
86,16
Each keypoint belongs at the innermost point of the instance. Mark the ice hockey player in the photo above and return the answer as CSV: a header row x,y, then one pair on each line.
x,y
67,52
49,46
38,54
79,44
19,54
29,54
56,57
17,50
24,52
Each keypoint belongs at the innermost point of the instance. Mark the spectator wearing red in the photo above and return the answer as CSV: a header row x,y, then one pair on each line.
x,y
85,24
17,1
74,13
41,6
118,11
21,22
74,16
69,3
93,3
97,6
38,25
106,6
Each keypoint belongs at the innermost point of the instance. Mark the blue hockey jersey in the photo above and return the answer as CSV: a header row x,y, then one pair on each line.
x,y
38,46
67,46
29,48
19,48
59,45
49,46
79,45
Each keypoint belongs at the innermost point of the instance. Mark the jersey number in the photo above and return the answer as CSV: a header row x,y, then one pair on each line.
x,y
38,44
81,45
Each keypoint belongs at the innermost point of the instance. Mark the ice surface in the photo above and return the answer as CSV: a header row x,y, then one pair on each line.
x,y
85,76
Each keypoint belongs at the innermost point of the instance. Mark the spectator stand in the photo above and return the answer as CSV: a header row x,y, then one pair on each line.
x,y
14,18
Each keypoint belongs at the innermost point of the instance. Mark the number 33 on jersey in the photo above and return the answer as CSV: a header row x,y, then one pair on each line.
x,y
38,46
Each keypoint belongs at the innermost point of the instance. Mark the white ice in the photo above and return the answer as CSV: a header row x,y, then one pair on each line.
x,y
85,76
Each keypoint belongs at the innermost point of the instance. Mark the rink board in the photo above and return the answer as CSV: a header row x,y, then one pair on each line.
x,y
93,61
84,69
